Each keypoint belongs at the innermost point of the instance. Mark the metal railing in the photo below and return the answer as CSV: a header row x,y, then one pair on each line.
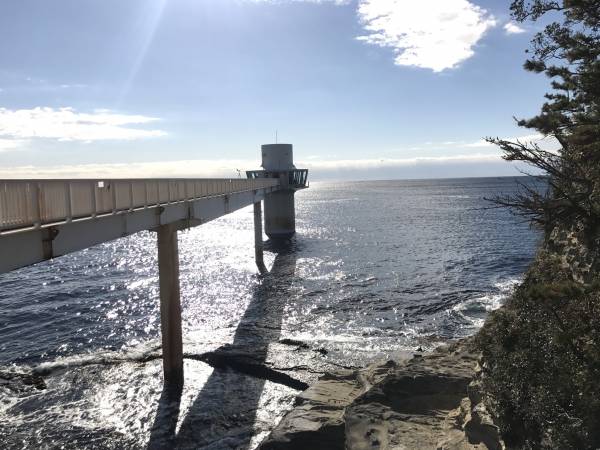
x,y
295,178
298,177
33,203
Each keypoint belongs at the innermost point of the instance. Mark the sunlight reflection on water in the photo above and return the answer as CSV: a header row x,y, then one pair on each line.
x,y
377,268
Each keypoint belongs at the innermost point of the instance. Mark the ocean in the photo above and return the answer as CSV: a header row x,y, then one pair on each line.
x,y
377,270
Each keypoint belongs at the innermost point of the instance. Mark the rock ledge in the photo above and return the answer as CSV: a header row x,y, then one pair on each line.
x,y
427,402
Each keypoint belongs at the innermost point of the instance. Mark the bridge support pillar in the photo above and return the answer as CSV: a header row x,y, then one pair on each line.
x,y
170,305
258,238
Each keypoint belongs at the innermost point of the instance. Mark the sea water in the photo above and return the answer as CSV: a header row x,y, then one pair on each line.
x,y
377,269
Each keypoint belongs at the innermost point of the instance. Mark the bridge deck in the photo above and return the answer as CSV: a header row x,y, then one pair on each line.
x,y
42,219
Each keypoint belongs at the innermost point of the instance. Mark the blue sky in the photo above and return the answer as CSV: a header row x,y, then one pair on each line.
x,y
363,89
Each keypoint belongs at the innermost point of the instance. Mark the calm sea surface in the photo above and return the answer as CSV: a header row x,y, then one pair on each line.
x,y
376,269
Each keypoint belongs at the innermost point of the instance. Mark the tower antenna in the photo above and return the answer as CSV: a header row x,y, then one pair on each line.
x,y
276,136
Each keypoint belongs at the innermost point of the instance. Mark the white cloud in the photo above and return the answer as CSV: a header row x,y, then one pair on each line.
x,y
73,86
513,28
545,142
67,124
336,2
10,144
362,164
159,169
431,34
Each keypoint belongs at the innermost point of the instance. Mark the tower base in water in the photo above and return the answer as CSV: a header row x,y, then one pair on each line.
x,y
280,215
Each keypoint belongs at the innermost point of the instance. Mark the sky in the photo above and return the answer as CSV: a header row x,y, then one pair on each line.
x,y
363,89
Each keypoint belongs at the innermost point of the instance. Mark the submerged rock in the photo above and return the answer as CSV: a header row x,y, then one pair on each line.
x,y
21,381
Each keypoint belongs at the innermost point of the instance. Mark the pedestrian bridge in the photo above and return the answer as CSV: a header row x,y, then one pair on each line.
x,y
43,219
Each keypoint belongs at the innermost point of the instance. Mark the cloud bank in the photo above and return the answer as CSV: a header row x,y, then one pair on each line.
x,y
478,158
10,144
67,124
373,168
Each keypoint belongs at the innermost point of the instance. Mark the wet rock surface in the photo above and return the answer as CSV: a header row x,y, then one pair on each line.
x,y
425,402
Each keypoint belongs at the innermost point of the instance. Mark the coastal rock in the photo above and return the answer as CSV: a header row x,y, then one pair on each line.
x,y
408,409
318,418
423,403
480,428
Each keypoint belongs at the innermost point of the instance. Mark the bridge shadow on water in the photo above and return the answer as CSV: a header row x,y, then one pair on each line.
x,y
224,413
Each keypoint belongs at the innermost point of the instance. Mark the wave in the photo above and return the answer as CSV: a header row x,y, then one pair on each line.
x,y
144,354
474,310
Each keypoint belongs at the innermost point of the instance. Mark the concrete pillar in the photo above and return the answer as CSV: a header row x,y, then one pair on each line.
x,y
170,305
258,240
280,214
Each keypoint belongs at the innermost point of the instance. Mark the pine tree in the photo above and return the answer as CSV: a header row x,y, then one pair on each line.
x,y
541,351
568,52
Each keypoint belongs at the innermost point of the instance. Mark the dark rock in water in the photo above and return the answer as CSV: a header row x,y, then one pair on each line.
x,y
18,381
295,343
423,403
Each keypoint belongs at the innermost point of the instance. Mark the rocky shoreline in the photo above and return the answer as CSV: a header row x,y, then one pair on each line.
x,y
429,401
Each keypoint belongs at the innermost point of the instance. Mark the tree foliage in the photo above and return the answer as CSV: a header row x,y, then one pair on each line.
x,y
541,351
541,360
567,50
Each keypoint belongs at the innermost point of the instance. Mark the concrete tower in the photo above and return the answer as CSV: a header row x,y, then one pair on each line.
x,y
280,214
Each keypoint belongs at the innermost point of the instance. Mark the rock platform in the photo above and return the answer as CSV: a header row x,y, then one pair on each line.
x,y
430,401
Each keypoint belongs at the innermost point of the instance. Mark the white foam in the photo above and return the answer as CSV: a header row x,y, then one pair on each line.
x,y
487,303
141,353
